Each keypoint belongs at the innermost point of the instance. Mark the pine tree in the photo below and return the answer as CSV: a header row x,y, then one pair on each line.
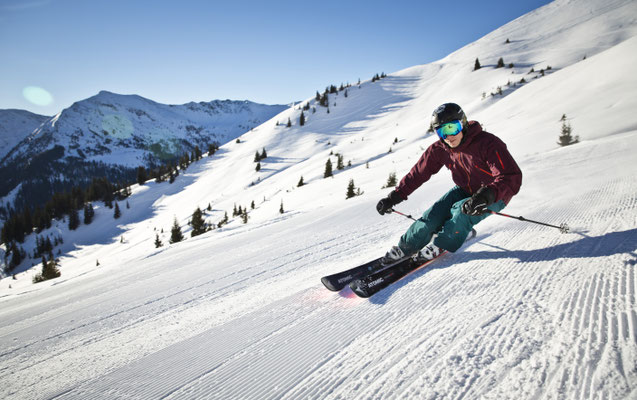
x,y
477,65
17,255
566,137
223,221
257,157
281,210
264,155
198,223
351,189
117,213
328,169
158,242
74,219
89,213
175,233
339,162
258,167
302,119
142,177
289,124
391,181
301,183
500,63
324,99
244,216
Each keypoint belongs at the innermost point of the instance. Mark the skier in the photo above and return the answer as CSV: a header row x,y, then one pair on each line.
x,y
486,175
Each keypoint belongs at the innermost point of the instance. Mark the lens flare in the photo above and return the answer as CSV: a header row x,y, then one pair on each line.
x,y
37,95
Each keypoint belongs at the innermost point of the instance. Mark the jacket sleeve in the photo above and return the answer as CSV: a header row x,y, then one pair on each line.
x,y
429,164
506,173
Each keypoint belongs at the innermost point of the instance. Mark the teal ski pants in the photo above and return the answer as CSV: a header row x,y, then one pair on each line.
x,y
446,219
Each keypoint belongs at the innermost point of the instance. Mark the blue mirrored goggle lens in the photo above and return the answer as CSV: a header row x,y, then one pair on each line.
x,y
449,129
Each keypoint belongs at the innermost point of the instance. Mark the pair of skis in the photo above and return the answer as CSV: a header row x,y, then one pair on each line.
x,y
370,278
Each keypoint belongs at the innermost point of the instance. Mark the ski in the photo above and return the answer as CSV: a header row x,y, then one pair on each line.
x,y
339,280
373,283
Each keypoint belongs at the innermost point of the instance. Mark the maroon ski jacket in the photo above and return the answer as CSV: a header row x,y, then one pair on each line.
x,y
482,159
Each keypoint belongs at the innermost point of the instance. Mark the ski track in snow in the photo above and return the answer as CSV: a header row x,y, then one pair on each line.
x,y
458,336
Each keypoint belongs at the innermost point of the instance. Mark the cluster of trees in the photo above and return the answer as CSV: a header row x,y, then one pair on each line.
x,y
78,198
199,224
49,269
45,245
19,225
170,170
241,212
258,157
339,165
324,100
378,77
522,81
500,64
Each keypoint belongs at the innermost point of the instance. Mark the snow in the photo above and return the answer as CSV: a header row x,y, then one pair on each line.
x,y
15,125
239,312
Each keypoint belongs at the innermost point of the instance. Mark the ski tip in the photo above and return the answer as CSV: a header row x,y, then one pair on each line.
x,y
326,282
358,290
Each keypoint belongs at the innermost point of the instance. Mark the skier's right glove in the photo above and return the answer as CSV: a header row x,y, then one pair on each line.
x,y
477,204
386,204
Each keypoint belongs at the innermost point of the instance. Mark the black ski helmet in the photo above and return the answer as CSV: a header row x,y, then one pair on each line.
x,y
446,113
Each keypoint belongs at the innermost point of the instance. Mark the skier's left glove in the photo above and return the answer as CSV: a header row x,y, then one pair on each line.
x,y
386,204
477,204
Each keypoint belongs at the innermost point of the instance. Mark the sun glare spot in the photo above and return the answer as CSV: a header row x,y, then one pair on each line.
x,y
37,95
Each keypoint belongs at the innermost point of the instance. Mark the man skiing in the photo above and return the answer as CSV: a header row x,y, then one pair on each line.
x,y
486,175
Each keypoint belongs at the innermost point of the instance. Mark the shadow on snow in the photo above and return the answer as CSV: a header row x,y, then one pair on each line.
x,y
610,244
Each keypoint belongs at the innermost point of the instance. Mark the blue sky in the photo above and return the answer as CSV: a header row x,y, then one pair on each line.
x,y
271,52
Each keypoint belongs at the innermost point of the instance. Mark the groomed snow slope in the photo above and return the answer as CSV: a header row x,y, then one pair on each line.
x,y
239,312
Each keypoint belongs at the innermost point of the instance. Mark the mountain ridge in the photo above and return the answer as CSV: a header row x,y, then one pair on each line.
x,y
111,135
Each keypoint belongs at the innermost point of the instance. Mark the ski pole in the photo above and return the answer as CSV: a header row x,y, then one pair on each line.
x,y
404,215
563,227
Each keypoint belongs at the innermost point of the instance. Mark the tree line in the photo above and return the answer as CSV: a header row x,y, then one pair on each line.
x,y
80,199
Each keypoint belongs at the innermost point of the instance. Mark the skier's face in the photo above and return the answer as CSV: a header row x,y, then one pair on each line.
x,y
454,141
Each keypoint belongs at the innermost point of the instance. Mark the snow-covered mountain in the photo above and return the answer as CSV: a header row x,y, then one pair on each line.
x,y
111,135
522,312
16,125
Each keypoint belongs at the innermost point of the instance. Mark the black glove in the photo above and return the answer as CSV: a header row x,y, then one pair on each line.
x,y
385,205
478,203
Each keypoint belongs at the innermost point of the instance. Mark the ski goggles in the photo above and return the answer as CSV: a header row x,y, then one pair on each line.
x,y
449,129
